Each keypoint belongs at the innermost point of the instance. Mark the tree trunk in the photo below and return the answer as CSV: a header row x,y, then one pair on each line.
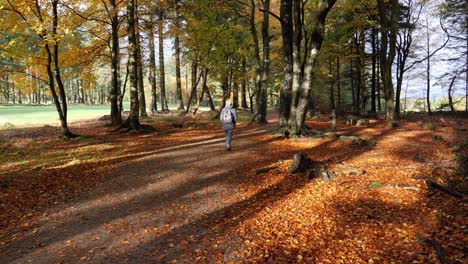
x,y
358,75
286,86
353,92
362,66
263,71
57,75
162,75
428,70
388,35
373,77
297,68
302,66
141,87
152,66
194,82
179,99
133,120
116,116
332,86
244,86
452,109
235,95
399,79
124,87
207,91
338,82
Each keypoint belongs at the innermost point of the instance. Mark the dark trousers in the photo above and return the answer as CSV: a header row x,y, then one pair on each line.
x,y
228,134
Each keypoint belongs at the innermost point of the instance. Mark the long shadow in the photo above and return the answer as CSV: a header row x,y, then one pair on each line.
x,y
96,216
129,157
208,227
241,210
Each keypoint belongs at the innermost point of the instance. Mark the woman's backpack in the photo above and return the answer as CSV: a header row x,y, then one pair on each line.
x,y
227,118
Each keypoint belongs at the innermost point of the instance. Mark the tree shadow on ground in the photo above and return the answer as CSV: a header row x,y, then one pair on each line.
x,y
150,196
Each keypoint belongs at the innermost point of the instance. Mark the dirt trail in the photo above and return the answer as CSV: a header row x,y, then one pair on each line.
x,y
158,208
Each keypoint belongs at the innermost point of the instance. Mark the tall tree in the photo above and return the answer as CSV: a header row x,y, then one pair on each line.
x,y
141,86
152,65
453,13
303,53
388,19
46,27
133,120
162,73
410,12
113,13
179,100
262,64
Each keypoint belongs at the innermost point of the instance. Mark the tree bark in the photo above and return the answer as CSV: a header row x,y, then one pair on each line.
x,y
452,109
286,86
179,99
206,90
57,75
244,86
263,66
428,70
235,95
302,66
332,86
194,82
116,116
388,42
162,75
133,120
152,66
373,77
353,88
141,87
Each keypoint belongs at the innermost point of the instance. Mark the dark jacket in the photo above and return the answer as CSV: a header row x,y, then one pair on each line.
x,y
232,125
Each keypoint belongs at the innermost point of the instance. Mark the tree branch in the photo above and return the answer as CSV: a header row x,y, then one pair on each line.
x,y
434,52
273,15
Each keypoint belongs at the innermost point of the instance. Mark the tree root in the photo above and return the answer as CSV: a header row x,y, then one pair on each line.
x,y
259,119
69,135
433,185
439,249
130,125
264,170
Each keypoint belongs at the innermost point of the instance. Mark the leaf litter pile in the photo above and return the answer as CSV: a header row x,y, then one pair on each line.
x,y
175,196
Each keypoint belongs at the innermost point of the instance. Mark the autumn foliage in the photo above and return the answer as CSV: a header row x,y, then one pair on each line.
x,y
176,196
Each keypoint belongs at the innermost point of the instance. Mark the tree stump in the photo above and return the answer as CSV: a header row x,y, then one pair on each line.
x,y
320,171
300,163
312,169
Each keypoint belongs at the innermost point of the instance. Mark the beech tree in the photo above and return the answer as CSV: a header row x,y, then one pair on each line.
x,y
301,47
133,121
388,19
45,25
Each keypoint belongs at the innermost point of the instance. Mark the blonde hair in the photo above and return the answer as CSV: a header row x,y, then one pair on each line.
x,y
228,101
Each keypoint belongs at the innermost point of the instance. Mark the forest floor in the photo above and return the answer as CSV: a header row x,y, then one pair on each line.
x,y
175,195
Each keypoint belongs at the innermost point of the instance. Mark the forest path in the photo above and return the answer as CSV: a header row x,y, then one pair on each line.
x,y
161,207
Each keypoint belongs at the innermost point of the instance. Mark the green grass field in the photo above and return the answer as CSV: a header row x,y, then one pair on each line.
x,y
29,115
39,115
